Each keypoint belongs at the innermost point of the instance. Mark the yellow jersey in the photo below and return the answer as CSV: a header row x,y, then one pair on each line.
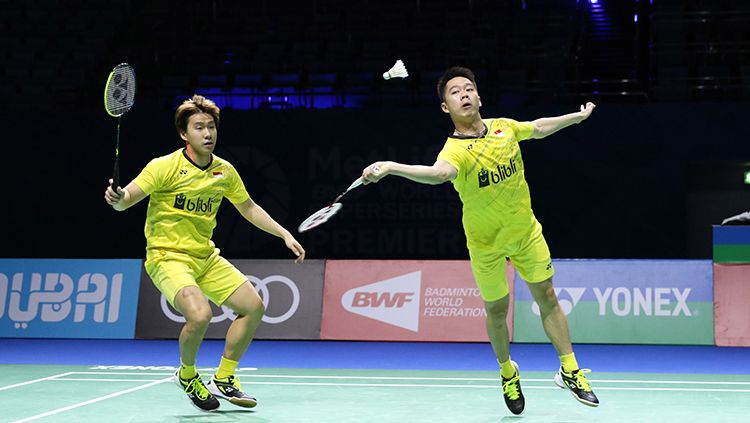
x,y
491,183
184,200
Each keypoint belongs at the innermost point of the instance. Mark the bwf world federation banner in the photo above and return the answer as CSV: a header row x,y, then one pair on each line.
x,y
403,300
626,302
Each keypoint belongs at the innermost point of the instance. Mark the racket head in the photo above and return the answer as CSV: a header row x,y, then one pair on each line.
x,y
319,217
119,93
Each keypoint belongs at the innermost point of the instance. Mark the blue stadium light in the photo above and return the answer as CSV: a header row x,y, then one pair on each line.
x,y
246,99
593,1
635,18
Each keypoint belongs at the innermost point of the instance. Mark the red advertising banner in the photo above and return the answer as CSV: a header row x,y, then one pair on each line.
x,y
404,300
731,313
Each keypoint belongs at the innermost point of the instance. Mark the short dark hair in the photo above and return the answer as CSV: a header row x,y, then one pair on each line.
x,y
194,105
450,74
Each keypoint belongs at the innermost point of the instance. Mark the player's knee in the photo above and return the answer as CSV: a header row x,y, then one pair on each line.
x,y
254,309
198,315
549,294
497,310
257,311
547,299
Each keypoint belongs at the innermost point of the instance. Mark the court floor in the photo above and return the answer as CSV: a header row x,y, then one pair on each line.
x,y
144,392
147,394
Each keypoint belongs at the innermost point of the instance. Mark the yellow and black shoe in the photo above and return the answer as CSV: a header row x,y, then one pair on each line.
x,y
196,392
512,392
578,385
230,389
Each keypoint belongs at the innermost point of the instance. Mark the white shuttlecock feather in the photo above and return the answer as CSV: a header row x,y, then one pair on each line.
x,y
397,71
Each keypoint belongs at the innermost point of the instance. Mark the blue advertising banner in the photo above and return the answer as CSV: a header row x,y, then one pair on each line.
x,y
626,302
48,298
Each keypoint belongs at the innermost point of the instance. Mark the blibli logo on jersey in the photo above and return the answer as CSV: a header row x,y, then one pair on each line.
x,y
497,175
484,178
199,205
179,201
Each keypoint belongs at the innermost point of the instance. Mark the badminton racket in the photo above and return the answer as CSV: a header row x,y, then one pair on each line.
x,y
119,96
326,213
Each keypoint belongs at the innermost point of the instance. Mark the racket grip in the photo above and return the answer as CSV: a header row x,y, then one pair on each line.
x,y
116,175
355,184
360,180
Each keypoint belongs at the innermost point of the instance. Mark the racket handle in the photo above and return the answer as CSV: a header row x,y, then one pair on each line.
x,y
355,184
116,175
360,181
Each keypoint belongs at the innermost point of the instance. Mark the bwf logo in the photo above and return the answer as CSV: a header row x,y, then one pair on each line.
x,y
393,301
386,299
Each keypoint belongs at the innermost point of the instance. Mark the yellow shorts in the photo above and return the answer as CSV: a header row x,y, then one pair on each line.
x,y
530,257
214,275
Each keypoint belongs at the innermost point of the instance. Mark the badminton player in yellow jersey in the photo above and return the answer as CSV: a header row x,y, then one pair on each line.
x,y
483,160
186,188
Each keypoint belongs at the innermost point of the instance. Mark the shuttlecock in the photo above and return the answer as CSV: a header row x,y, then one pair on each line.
x,y
397,71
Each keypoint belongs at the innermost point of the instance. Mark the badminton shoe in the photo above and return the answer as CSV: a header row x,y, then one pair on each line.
x,y
197,393
512,392
578,385
229,389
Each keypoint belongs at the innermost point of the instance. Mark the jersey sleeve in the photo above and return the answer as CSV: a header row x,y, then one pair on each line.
x,y
150,177
452,155
236,192
523,130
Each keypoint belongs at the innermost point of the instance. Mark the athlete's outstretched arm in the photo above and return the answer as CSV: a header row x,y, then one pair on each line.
x,y
122,198
262,220
438,173
547,126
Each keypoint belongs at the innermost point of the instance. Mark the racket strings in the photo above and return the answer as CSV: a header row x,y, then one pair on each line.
x,y
319,217
120,93
323,215
119,97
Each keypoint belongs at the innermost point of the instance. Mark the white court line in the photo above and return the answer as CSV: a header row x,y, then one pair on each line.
x,y
414,385
658,382
2,388
612,388
488,379
72,379
409,385
81,404
496,379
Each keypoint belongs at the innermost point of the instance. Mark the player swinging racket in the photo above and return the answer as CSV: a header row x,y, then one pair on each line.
x,y
186,188
482,159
